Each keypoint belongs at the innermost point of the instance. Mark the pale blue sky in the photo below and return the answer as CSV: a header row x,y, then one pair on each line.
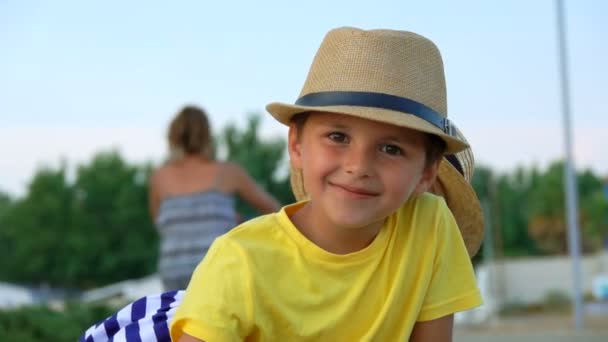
x,y
77,77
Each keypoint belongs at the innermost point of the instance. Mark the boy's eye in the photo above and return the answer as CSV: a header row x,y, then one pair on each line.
x,y
391,149
337,137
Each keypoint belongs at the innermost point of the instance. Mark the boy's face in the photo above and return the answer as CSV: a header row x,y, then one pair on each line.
x,y
357,171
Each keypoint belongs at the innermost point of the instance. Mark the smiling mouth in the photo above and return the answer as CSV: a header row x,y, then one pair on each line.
x,y
359,192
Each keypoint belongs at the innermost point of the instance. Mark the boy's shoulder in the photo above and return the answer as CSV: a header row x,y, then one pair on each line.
x,y
425,210
426,204
424,220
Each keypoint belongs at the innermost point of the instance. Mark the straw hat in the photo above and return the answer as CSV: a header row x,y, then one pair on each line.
x,y
389,76
395,77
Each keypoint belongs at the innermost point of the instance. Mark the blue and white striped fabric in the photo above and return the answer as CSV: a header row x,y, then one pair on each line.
x,y
145,320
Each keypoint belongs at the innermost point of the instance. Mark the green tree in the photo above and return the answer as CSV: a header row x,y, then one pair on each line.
x,y
112,232
5,207
5,204
41,323
93,232
35,227
482,181
513,192
547,221
594,208
504,198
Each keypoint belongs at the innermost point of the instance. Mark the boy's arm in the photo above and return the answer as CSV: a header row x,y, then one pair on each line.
x,y
187,338
436,330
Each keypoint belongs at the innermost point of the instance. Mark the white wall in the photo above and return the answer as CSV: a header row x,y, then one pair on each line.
x,y
529,280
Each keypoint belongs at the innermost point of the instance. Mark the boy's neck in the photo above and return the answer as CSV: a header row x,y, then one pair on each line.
x,y
333,239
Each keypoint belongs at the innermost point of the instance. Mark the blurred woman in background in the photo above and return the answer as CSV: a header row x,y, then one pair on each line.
x,y
192,197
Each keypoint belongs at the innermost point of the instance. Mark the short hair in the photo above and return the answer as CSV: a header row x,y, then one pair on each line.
x,y
435,147
190,133
299,120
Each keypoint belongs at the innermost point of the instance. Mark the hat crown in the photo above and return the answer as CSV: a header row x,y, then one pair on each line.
x,y
391,62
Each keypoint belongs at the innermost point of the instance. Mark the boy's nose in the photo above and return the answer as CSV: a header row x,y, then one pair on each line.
x,y
358,162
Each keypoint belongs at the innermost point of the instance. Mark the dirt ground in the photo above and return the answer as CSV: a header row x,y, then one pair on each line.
x,y
537,327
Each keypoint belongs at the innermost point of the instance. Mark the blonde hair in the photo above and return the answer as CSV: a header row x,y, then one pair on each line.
x,y
190,133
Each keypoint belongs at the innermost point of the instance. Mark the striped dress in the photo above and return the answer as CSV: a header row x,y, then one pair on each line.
x,y
188,224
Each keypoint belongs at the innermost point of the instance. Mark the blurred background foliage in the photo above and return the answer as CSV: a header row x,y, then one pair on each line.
x,y
43,323
95,229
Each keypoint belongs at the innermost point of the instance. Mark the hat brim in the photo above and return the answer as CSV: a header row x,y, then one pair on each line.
x,y
457,192
283,113
464,204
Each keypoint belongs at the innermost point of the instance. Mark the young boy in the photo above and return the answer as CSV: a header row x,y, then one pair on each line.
x,y
367,255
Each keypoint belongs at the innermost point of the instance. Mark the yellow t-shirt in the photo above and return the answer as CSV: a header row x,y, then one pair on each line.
x,y
265,281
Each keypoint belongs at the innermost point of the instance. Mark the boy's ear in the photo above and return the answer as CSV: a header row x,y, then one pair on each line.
x,y
429,175
294,147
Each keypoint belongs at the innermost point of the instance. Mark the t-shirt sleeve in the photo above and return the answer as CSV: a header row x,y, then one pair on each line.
x,y
453,286
217,303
